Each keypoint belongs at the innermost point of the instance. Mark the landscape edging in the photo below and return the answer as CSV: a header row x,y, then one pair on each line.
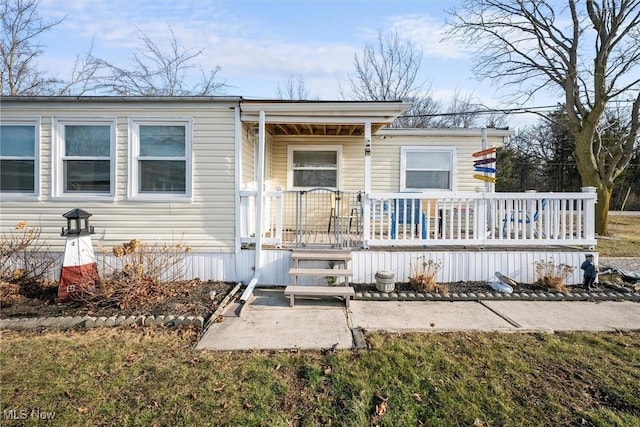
x,y
483,296
66,322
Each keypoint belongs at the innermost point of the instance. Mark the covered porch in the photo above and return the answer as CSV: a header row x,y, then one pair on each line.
x,y
333,176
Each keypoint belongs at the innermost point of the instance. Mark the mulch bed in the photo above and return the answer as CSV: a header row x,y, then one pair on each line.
x,y
457,287
189,298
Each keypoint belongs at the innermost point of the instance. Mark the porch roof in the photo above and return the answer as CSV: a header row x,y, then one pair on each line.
x,y
321,117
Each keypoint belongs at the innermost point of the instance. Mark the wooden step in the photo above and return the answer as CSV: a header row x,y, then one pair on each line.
x,y
321,256
319,291
321,272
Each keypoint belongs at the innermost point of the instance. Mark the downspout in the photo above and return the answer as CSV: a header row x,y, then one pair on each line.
x,y
259,202
238,183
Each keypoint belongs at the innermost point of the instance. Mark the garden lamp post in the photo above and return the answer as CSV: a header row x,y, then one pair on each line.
x,y
79,272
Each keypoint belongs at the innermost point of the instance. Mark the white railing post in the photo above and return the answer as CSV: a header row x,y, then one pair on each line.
x,y
279,213
247,216
366,220
590,214
480,223
528,218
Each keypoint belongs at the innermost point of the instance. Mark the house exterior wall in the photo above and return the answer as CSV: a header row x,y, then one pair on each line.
x,y
386,156
455,266
206,222
352,162
248,157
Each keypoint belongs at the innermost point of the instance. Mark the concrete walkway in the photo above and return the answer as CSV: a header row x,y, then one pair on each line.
x,y
269,323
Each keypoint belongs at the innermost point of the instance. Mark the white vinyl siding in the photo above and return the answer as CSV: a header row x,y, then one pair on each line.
x,y
386,155
84,158
249,148
423,169
19,164
206,223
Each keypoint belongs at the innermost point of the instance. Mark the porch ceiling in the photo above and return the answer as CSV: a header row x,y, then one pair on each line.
x,y
341,129
335,118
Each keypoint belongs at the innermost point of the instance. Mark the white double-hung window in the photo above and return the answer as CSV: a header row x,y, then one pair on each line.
x,y
314,166
427,168
160,159
19,158
84,158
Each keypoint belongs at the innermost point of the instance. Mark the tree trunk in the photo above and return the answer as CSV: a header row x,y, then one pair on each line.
x,y
602,209
588,169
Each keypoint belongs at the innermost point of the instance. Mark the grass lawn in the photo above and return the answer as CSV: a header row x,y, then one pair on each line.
x,y
623,239
152,376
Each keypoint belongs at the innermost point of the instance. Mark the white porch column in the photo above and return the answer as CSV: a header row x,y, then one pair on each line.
x,y
259,208
260,189
367,157
366,211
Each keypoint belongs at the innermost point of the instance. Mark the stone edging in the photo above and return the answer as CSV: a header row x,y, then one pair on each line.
x,y
515,296
94,322
199,322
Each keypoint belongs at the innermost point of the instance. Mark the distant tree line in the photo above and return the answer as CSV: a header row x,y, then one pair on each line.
x,y
541,157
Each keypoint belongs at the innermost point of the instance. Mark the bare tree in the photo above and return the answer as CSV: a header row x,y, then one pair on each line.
x,y
21,27
20,49
462,111
155,72
85,76
386,71
422,114
293,88
588,51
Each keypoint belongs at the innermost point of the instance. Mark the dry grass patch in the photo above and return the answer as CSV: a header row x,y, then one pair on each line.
x,y
152,376
623,239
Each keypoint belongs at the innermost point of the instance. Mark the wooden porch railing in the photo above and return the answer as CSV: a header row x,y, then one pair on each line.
x,y
459,219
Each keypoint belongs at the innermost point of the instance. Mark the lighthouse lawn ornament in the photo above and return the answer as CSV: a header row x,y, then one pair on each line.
x,y
79,268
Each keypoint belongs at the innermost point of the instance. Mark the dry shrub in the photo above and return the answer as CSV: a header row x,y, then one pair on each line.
x,y
137,274
553,276
423,275
25,259
10,294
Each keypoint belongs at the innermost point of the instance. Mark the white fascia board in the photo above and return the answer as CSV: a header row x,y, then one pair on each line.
x,y
453,132
361,111
317,119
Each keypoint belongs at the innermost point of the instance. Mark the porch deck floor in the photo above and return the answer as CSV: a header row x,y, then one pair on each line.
x,y
354,241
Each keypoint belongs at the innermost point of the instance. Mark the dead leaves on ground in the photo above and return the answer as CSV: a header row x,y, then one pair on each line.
x,y
380,408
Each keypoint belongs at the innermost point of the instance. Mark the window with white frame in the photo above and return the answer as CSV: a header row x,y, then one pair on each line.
x,y
160,159
84,157
431,168
314,166
19,158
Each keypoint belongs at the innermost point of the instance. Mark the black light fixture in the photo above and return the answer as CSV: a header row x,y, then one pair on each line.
x,y
77,223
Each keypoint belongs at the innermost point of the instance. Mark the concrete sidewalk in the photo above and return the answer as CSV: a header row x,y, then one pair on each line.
x,y
269,323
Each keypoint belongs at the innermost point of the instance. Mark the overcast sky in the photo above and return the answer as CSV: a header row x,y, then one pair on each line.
x,y
259,44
